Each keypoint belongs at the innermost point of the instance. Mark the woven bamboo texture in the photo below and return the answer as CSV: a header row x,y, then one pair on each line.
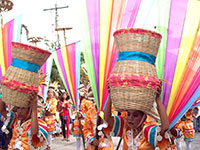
x,y
30,54
146,42
135,97
134,67
132,98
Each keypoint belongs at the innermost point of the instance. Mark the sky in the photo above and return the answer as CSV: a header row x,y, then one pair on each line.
x,y
41,23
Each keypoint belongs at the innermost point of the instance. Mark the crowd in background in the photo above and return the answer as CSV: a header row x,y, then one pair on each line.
x,y
82,124
63,120
60,113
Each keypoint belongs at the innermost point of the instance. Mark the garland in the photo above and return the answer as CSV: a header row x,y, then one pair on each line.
x,y
29,47
134,80
18,86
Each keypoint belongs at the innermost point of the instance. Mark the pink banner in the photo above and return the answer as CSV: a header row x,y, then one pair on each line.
x,y
176,21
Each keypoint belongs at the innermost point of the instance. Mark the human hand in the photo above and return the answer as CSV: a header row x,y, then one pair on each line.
x,y
47,113
158,91
95,142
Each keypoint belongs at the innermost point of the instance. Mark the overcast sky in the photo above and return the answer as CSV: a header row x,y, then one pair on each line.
x,y
42,23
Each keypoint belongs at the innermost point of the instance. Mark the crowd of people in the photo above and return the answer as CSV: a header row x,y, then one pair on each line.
x,y
90,130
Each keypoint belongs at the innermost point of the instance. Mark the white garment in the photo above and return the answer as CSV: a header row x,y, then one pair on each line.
x,y
178,146
58,128
188,145
78,143
49,140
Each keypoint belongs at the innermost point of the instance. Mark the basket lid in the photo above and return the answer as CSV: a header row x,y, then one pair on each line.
x,y
29,53
137,43
138,31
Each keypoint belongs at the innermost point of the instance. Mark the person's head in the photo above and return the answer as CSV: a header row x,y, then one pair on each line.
x,y
82,95
51,93
65,96
23,113
82,91
135,118
90,95
79,115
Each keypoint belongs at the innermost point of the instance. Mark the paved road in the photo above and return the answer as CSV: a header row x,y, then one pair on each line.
x,y
58,144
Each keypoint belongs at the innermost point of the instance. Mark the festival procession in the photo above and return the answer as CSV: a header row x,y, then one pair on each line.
x,y
100,75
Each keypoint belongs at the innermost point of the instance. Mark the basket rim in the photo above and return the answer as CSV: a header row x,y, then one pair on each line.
x,y
30,47
139,31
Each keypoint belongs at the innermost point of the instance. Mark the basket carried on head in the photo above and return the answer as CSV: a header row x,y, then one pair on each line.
x,y
22,76
133,82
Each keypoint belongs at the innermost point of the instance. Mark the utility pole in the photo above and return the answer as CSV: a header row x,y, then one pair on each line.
x,y
56,18
64,35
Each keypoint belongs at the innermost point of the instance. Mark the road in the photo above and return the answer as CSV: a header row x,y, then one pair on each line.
x,y
58,144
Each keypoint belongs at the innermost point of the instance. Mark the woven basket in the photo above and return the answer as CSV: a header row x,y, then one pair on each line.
x,y
20,79
133,82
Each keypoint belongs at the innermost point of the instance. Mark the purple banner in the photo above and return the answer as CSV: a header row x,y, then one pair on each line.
x,y
73,64
10,38
130,14
93,7
0,73
176,22
60,59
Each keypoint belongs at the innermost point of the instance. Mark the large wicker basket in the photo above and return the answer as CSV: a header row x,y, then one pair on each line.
x,y
133,81
22,76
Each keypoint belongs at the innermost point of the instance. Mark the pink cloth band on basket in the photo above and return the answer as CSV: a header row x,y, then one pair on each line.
x,y
29,47
138,31
18,86
134,80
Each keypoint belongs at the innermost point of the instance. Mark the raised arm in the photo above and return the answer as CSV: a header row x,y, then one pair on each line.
x,y
34,116
108,114
163,116
162,112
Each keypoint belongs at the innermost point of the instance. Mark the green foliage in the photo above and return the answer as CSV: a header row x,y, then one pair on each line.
x,y
55,75
52,46
82,58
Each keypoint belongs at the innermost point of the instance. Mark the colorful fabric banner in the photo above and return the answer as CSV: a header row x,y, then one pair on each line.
x,y
67,60
8,33
176,22
187,41
190,80
178,57
46,70
99,20
0,73
186,108
162,27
